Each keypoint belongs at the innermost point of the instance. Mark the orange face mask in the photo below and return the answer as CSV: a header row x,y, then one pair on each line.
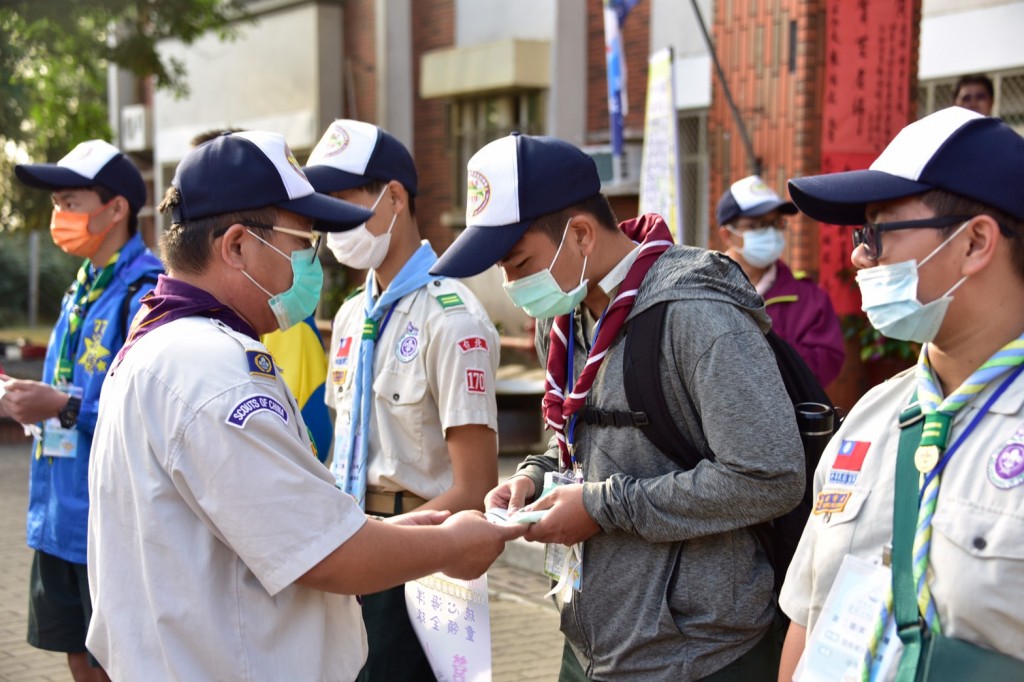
x,y
70,231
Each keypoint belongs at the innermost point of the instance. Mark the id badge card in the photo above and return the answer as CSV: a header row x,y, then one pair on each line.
x,y
58,441
838,645
562,564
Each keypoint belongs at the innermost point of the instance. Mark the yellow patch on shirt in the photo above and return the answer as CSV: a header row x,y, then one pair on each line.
x,y
831,502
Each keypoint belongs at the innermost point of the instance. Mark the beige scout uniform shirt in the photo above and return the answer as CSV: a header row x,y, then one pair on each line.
x,y
433,368
207,505
976,564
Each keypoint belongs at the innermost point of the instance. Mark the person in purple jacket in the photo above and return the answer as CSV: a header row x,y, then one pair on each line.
x,y
751,225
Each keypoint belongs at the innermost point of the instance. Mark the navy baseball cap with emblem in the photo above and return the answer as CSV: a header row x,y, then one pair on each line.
x,y
954,149
353,153
91,163
512,182
254,169
750,198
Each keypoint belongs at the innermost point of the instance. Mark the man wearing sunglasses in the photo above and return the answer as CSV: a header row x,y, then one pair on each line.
x,y
752,225
940,257
219,548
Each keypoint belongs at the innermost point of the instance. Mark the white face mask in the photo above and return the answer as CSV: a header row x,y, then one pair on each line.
x,y
889,297
359,248
761,247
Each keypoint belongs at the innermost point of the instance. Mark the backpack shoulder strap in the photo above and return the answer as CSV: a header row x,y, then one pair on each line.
x,y
148,279
645,392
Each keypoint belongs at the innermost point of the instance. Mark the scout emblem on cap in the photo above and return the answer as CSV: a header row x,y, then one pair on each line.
x,y
335,141
478,193
293,163
409,345
1006,467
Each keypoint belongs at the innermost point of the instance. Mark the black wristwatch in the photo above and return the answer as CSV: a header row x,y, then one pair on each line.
x,y
68,414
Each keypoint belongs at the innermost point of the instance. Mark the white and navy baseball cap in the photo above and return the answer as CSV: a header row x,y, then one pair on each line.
x,y
512,182
353,153
91,163
750,198
954,149
254,169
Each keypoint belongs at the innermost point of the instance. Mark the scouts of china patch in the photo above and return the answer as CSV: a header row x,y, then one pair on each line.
x,y
240,413
1006,467
475,381
408,346
339,376
260,364
471,343
831,502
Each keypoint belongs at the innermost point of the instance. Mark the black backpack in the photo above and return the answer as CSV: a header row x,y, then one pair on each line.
x,y
648,411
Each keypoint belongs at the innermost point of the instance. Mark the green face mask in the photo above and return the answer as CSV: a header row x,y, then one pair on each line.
x,y
539,295
299,301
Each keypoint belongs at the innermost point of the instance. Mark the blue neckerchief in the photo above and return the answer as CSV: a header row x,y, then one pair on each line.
x,y
350,457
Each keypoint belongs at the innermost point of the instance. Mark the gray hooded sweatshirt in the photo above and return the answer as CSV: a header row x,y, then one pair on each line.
x,y
674,586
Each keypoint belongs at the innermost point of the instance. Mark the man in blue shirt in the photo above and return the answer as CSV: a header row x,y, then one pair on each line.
x,y
97,195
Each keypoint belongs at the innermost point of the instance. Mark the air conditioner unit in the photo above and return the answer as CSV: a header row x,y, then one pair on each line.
x,y
136,128
632,152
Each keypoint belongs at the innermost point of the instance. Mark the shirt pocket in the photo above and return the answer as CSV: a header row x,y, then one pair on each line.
x,y
399,399
976,567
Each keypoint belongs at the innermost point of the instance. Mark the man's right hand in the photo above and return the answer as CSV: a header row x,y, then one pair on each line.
x,y
512,494
29,401
477,543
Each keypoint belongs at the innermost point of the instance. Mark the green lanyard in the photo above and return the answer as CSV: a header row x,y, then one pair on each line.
x,y
86,291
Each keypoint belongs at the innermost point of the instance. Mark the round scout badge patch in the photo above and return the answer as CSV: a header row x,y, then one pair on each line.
x,y
1006,467
409,345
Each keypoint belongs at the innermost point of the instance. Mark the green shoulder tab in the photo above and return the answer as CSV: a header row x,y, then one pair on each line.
x,y
449,300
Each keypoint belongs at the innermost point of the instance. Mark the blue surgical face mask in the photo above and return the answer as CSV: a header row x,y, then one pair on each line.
x,y
889,297
540,296
761,247
300,300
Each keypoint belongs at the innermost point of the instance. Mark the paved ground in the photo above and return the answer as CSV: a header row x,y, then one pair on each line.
x,y
521,621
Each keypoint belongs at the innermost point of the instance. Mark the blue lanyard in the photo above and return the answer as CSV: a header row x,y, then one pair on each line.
x,y
970,427
387,318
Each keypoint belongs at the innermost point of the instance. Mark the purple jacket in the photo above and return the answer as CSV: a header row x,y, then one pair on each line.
x,y
802,314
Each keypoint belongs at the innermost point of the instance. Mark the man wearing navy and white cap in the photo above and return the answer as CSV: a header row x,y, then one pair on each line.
x,y
97,194
672,585
220,547
752,227
417,416
939,250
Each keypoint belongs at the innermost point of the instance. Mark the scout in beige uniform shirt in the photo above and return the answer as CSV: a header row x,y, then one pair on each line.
x,y
978,528
433,369
216,580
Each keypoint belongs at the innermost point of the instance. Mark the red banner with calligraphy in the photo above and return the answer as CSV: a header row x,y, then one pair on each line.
x,y
869,71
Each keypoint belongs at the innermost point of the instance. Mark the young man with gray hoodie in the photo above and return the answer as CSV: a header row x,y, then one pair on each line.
x,y
660,577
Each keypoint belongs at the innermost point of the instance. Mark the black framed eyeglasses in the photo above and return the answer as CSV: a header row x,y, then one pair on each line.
x,y
779,223
869,235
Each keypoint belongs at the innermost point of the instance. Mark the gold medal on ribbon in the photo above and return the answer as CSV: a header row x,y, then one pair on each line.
x,y
926,457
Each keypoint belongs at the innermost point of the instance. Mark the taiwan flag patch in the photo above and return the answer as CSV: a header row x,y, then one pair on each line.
x,y
851,455
344,348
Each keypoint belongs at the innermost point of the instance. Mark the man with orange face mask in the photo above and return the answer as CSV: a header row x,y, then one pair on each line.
x,y
97,194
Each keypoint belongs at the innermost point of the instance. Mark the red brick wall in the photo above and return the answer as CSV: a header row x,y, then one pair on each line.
x,y
779,103
360,73
433,27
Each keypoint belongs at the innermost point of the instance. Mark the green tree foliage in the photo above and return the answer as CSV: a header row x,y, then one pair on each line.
x,y
56,273
53,69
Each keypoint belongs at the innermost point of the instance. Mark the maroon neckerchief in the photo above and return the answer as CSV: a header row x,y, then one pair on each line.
x,y
655,238
172,300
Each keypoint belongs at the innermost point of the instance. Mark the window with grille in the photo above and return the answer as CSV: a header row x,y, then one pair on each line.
x,y
693,152
473,122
